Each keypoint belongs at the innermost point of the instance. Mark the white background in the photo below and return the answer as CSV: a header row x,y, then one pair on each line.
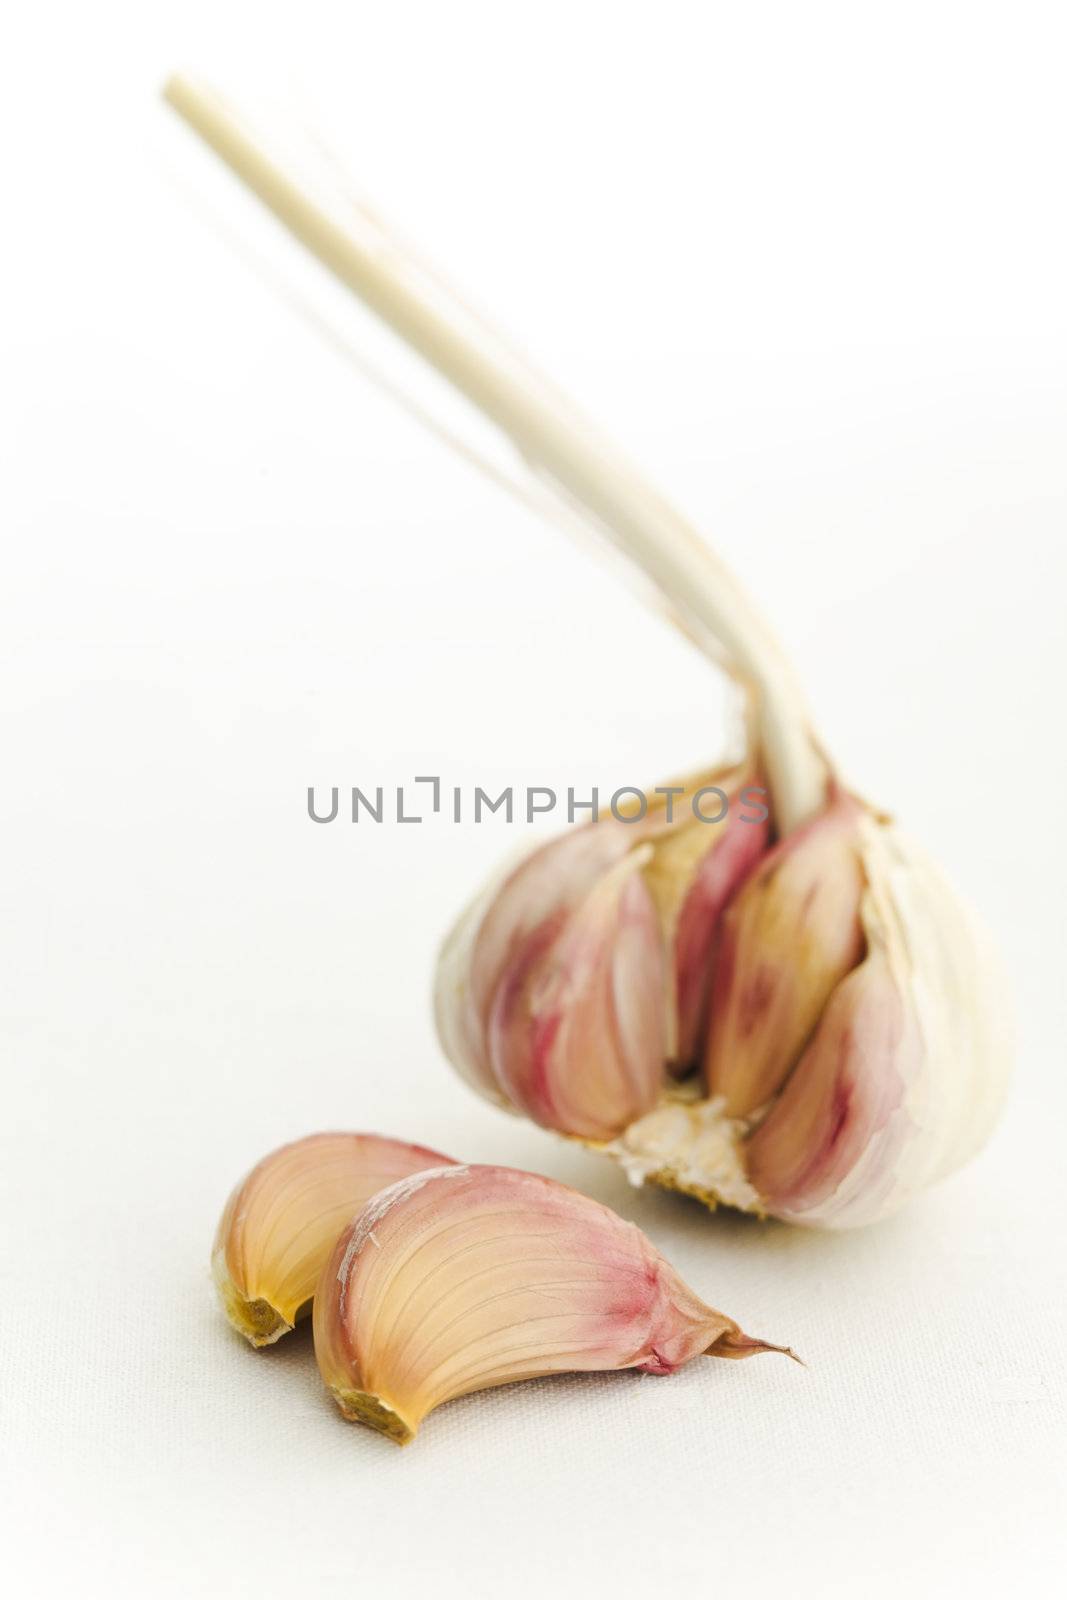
x,y
806,262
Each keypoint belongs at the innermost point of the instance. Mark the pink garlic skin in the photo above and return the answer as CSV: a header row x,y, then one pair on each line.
x,y
565,988
514,920
576,1029
468,1278
792,932
844,1104
724,869
906,1072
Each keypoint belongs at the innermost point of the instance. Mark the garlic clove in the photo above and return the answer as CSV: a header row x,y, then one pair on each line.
x,y
281,1221
570,985
467,1278
843,1111
907,1070
575,1033
788,938
694,871
521,909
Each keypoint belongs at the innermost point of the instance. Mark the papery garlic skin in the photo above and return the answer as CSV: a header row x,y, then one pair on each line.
x,y
572,982
281,1221
468,1278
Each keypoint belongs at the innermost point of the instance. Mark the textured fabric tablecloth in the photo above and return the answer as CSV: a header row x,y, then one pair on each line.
x,y
233,570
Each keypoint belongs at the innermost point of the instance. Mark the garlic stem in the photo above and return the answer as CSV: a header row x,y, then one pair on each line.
x,y
549,433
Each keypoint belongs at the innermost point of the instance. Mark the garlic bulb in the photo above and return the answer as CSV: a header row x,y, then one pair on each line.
x,y
853,1047
280,1222
857,1044
856,1048
468,1278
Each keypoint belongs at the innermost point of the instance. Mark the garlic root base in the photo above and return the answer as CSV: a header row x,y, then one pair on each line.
x,y
359,1406
256,1320
691,1146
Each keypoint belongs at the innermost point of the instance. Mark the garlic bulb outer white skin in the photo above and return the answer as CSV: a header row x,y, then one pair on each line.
x,y
469,1278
